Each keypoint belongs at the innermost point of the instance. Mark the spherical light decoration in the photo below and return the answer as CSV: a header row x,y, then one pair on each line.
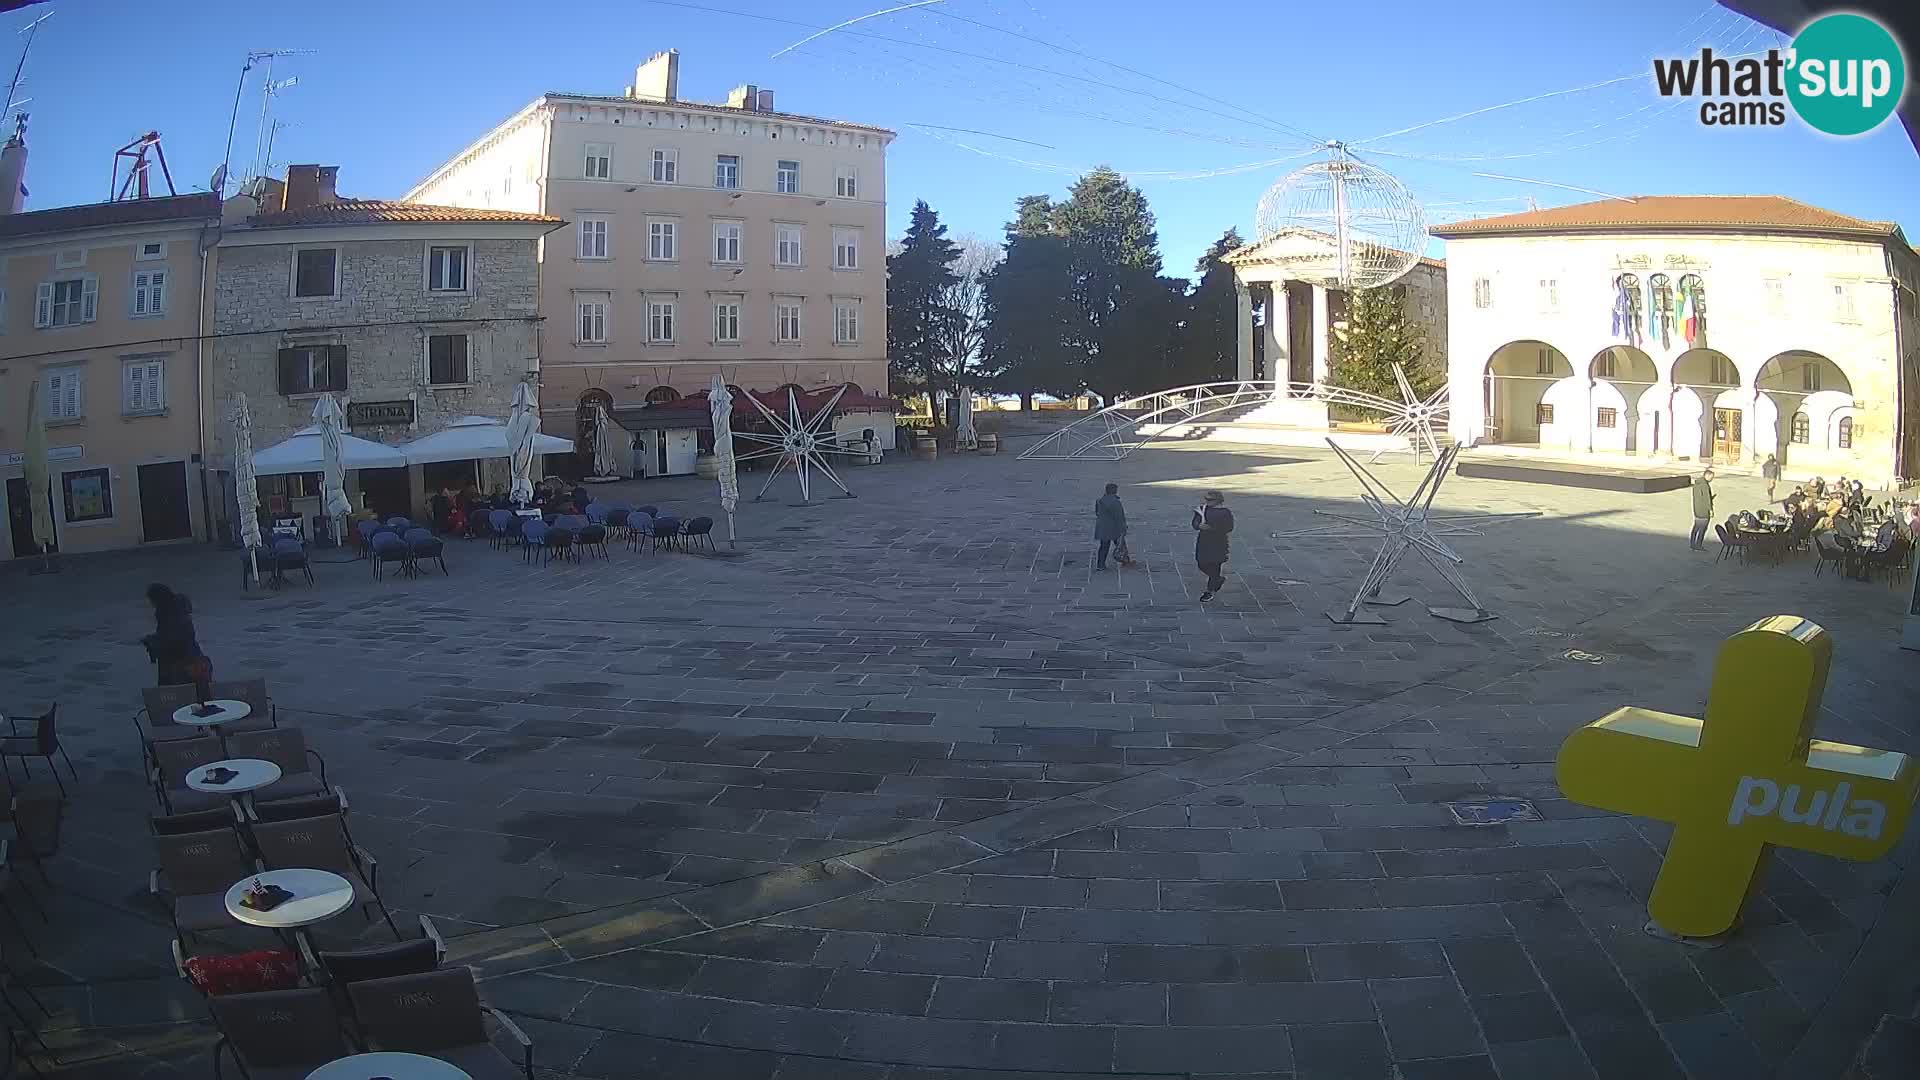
x,y
1347,224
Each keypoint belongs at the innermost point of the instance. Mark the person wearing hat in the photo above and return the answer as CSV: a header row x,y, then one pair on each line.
x,y
1212,521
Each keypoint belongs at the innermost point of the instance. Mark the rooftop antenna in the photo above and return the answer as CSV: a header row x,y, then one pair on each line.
x,y
263,135
226,158
13,87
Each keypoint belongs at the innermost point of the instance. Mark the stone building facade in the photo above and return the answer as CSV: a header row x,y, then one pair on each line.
x,y
412,316
1716,328
705,239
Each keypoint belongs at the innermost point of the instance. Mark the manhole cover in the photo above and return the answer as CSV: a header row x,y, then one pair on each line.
x,y
1493,810
1579,657
1229,800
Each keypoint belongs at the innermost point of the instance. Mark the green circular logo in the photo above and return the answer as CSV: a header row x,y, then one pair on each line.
x,y
1846,74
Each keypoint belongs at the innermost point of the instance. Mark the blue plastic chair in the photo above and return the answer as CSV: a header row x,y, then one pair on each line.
x,y
597,513
639,528
425,545
559,544
399,523
593,538
501,522
665,528
290,554
366,529
650,511
390,547
533,536
697,531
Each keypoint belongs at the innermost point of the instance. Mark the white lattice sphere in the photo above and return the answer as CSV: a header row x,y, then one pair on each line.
x,y
1343,224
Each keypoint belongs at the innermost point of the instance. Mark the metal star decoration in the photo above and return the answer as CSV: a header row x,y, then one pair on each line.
x,y
1414,420
1405,525
801,445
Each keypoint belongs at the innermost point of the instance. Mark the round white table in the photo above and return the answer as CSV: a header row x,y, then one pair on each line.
x,y
253,773
317,895
225,711
389,1065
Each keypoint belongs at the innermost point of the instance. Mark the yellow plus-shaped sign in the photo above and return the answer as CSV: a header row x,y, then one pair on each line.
x,y
1748,777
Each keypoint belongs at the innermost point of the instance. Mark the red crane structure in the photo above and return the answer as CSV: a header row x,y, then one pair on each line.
x,y
136,180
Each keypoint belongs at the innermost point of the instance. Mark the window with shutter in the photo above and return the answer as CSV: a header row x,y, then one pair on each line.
x,y
447,360
64,399
313,369
149,292
315,273
68,302
146,386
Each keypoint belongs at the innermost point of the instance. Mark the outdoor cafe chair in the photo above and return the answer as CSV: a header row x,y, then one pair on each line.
x,y
665,530
438,1013
639,529
425,545
592,537
559,544
1730,544
500,522
197,869
159,703
291,554
399,524
390,547
1828,556
172,761
43,743
278,1034
287,748
322,843
263,713
597,512
650,511
533,537
699,531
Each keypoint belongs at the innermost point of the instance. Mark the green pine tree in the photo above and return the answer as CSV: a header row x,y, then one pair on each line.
x,y
1378,335
1209,347
918,276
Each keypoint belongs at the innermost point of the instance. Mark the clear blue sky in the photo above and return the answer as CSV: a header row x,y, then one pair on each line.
x,y
390,89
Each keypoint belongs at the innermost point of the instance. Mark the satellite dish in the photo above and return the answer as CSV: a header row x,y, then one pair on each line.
x,y
1342,223
217,183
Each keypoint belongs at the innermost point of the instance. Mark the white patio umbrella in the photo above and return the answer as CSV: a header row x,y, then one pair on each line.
x,y
34,466
333,473
245,490
473,438
720,401
966,437
522,425
604,463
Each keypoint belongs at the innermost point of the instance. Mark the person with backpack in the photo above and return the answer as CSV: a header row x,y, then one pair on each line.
x,y
1212,521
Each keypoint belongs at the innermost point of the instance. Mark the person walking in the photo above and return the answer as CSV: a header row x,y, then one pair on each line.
x,y
172,646
1212,521
1110,527
1702,509
1771,471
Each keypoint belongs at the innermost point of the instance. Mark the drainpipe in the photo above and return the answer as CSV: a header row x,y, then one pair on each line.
x,y
199,377
1900,434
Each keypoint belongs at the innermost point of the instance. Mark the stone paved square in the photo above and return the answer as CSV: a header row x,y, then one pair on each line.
x,y
908,790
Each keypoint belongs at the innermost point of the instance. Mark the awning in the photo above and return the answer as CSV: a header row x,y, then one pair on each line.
x,y
301,454
472,437
674,417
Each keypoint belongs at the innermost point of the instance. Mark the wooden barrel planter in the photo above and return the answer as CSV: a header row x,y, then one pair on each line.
x,y
989,443
924,446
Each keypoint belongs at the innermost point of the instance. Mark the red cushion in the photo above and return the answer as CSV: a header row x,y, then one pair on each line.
x,y
244,973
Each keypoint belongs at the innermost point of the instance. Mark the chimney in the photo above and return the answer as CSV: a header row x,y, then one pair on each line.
x,y
763,101
742,97
13,169
659,78
310,185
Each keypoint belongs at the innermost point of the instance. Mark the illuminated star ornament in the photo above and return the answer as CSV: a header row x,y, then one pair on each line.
x,y
1405,525
801,445
1415,418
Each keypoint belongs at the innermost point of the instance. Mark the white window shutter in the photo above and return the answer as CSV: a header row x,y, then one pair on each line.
x,y
89,297
156,291
43,304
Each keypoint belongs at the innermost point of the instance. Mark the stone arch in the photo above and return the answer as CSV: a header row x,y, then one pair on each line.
x,y
1621,375
1519,377
662,395
1709,374
1794,384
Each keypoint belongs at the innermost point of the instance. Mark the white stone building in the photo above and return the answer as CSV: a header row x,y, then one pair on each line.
x,y
413,316
706,239
1569,333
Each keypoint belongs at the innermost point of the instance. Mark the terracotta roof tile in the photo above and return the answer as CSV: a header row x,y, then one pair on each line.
x,y
1689,212
385,212
102,215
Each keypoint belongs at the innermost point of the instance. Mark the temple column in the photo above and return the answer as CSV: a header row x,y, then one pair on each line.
x,y
1279,341
1320,334
1243,306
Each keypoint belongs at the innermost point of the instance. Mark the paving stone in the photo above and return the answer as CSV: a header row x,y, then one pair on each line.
x,y
1208,1049
1712,1046
1426,1017
1053,1048
1523,1017
1339,1052
931,956
989,999
1560,1059
1472,1067
1047,960
1108,1003
879,992
1268,1003
750,980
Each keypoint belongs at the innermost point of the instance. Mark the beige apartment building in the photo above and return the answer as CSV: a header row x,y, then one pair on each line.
x,y
703,239
100,304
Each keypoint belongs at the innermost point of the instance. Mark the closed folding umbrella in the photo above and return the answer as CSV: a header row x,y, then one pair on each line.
x,y
245,490
333,473
603,459
34,466
966,437
720,400
523,423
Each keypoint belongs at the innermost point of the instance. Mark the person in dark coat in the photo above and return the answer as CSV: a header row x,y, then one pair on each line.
x,y
1110,526
1770,471
1212,521
172,645
1702,510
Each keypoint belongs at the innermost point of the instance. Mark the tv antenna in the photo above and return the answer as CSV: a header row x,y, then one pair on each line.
x,y
13,87
263,135
233,119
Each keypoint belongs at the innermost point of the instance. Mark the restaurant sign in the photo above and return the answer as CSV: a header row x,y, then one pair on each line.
x,y
373,413
54,453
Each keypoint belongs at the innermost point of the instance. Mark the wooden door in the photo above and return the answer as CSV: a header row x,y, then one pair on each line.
x,y
163,502
1726,434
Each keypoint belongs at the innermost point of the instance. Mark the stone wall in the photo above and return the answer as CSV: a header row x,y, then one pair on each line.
x,y
383,316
